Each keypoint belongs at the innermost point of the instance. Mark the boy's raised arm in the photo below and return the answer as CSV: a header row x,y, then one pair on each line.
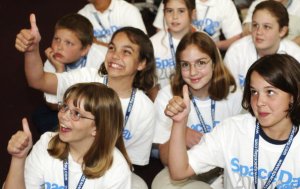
x,y
27,41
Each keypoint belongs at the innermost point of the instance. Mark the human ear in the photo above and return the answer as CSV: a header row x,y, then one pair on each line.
x,y
194,14
85,50
292,99
283,31
142,65
94,132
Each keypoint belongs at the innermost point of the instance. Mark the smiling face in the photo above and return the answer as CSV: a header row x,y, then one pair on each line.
x,y
197,78
266,32
269,104
80,132
67,47
177,17
122,58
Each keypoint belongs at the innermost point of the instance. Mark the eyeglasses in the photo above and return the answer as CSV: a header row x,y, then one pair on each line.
x,y
74,115
198,64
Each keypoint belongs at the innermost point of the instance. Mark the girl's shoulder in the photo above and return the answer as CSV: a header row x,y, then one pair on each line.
x,y
238,93
87,9
164,93
142,99
158,35
47,136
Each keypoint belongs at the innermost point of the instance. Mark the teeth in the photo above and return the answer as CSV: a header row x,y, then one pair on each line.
x,y
116,65
63,126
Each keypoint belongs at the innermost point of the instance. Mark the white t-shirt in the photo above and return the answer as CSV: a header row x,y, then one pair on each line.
x,y
165,62
94,59
242,54
223,109
212,17
139,130
119,14
230,145
294,16
44,171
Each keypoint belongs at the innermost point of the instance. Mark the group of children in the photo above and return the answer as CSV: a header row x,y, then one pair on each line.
x,y
105,89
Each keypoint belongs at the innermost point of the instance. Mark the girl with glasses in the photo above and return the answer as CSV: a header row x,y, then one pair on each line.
x,y
129,69
214,97
87,151
260,149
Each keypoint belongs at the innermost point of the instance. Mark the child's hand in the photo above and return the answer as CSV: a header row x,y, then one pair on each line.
x,y
59,67
21,142
178,109
28,39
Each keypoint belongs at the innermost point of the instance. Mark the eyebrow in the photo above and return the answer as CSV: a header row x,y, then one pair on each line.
x,y
128,47
125,46
204,58
267,87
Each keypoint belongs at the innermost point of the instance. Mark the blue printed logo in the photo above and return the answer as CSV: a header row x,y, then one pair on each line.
x,y
241,80
164,67
164,63
283,180
126,134
48,185
103,33
208,25
199,128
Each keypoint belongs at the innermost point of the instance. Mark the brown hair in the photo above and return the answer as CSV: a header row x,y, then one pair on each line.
x,y
146,78
221,81
105,105
276,9
281,71
190,4
78,24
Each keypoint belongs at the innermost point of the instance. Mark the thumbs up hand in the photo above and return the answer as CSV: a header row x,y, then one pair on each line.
x,y
178,108
21,142
27,40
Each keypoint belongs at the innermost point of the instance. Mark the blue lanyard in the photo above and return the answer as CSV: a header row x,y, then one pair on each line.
x,y
200,28
279,162
172,47
100,24
66,176
212,109
131,101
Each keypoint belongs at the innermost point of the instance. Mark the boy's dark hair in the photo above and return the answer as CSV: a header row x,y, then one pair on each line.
x,y
78,24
